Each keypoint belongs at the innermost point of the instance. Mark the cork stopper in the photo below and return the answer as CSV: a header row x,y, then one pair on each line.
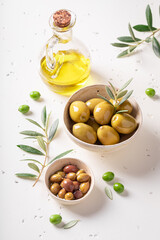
x,y
62,18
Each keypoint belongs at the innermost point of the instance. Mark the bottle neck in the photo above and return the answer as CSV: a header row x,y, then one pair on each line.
x,y
63,37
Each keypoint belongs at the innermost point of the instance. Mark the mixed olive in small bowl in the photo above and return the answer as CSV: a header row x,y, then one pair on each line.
x,y
69,180
96,124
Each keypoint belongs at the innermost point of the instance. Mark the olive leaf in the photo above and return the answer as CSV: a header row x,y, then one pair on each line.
x,y
26,175
113,88
44,116
110,92
47,123
34,167
119,45
34,122
149,17
128,39
99,95
122,111
143,28
41,143
53,129
30,149
30,137
108,193
126,85
121,94
131,32
31,160
70,224
156,47
125,97
60,156
126,52
31,133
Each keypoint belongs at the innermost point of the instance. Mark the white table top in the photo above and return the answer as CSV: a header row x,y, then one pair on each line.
x,y
25,210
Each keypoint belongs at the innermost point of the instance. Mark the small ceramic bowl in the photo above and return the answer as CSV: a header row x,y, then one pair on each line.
x,y
87,93
59,164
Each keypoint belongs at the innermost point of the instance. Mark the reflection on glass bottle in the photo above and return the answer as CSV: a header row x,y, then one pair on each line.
x,y
65,64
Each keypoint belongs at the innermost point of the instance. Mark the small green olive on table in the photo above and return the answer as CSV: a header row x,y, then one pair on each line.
x,y
118,187
55,219
35,95
23,109
108,176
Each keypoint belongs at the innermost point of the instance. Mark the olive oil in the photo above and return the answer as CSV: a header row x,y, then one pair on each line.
x,y
70,72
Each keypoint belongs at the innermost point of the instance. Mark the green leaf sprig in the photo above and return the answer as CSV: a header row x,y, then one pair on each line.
x,y
43,139
131,42
115,95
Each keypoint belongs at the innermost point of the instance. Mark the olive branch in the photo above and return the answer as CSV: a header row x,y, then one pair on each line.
x,y
43,139
132,42
115,95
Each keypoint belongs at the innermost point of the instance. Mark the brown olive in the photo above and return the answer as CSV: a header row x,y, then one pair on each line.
x,y
68,185
61,173
69,196
55,188
80,171
78,194
71,176
56,178
76,185
79,111
62,193
70,168
83,177
84,187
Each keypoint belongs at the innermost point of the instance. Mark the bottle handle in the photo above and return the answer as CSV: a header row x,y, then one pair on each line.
x,y
50,60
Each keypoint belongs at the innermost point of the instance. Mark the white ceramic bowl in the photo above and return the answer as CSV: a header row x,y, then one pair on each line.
x,y
59,164
87,93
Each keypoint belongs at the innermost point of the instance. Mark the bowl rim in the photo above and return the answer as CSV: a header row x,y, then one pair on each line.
x,y
75,200
103,146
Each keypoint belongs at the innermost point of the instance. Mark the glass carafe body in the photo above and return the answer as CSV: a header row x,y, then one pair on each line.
x,y
65,61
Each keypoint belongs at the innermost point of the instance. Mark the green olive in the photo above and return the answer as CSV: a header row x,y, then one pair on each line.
x,y
35,95
103,112
91,103
62,193
123,123
56,178
80,171
61,173
79,111
84,132
91,122
55,219
23,109
108,135
71,176
150,92
108,176
126,105
84,187
118,187
83,177
69,196
55,188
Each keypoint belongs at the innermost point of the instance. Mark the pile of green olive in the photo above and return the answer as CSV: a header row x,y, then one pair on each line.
x,y
97,122
69,183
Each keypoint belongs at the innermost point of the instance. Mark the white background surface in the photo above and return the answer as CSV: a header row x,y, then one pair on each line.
x,y
25,210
